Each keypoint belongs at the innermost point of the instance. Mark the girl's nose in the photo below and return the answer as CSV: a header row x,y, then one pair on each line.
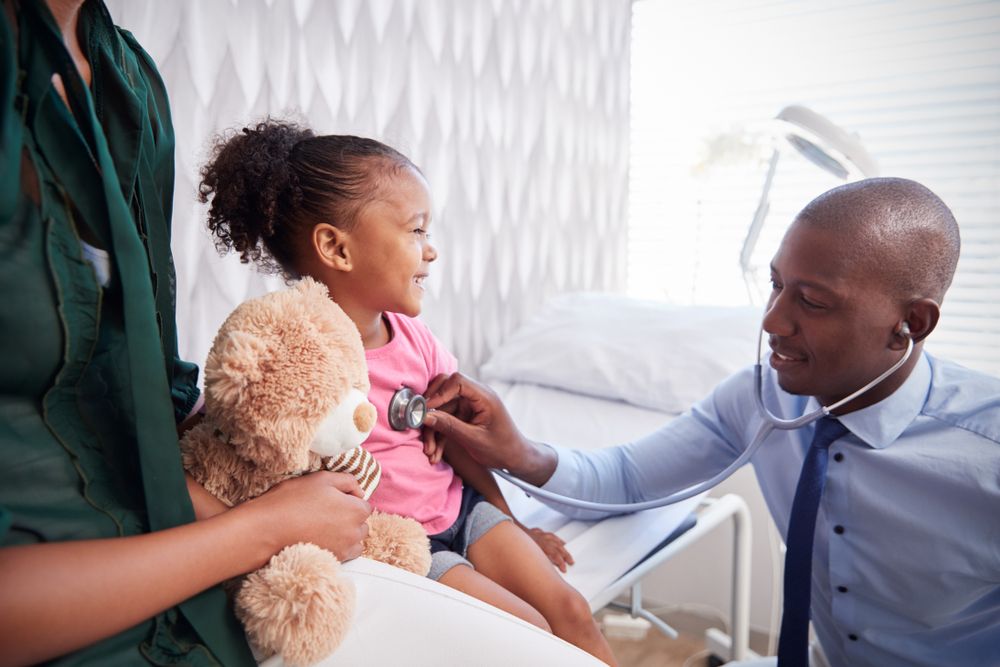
x,y
430,252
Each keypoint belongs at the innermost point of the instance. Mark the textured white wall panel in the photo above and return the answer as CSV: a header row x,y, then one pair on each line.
x,y
516,110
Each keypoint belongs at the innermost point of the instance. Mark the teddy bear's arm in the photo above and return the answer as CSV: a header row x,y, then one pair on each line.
x,y
212,463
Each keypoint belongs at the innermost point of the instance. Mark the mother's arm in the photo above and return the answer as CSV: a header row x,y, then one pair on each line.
x,y
61,596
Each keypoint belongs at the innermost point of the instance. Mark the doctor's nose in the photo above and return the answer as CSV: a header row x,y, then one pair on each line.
x,y
776,322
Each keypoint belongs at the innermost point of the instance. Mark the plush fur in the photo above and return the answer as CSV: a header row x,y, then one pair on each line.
x,y
279,368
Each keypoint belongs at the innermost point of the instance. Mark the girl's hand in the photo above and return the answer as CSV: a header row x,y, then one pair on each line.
x,y
553,546
324,508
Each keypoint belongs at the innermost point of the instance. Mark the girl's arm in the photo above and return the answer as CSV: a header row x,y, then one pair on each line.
x,y
482,480
61,596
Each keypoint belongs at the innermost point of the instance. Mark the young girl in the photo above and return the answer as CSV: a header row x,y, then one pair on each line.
x,y
353,214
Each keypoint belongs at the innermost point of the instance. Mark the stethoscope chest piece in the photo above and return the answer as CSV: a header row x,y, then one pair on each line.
x,y
406,409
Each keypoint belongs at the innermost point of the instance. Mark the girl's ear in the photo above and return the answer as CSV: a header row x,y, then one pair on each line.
x,y
331,247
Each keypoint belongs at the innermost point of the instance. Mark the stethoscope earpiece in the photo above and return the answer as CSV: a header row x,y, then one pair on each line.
x,y
407,409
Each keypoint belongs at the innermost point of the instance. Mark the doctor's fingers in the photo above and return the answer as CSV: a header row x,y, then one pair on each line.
x,y
445,389
478,440
433,445
492,443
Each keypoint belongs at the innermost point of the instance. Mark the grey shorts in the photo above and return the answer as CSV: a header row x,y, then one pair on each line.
x,y
476,517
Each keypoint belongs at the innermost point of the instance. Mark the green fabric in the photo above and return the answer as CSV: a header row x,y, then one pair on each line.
x,y
92,388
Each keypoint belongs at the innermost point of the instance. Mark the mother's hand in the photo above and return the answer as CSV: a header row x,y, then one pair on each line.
x,y
323,508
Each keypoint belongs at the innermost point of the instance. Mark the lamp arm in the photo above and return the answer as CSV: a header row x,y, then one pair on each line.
x,y
753,233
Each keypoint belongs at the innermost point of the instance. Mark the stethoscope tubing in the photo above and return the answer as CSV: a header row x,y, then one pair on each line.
x,y
690,492
770,423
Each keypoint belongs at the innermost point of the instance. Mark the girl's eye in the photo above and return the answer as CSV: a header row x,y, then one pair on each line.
x,y
420,231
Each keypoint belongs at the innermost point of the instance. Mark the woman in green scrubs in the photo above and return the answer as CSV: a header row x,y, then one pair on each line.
x,y
101,559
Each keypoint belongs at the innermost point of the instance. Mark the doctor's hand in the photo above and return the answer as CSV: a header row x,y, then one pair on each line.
x,y
472,415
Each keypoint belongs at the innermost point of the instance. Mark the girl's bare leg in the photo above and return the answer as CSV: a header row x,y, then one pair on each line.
x,y
509,557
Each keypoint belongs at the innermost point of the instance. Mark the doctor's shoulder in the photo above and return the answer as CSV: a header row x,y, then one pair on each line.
x,y
967,398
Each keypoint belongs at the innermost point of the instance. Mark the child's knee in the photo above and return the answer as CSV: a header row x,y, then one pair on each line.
x,y
579,609
573,607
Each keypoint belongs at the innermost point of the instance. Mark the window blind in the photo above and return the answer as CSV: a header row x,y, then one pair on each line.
x,y
919,82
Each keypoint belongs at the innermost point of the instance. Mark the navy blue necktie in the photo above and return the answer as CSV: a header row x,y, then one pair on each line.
x,y
793,642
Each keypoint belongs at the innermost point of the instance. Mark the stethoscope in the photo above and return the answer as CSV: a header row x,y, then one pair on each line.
x,y
771,422
407,409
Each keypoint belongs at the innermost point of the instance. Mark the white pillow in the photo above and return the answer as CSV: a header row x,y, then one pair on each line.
x,y
646,353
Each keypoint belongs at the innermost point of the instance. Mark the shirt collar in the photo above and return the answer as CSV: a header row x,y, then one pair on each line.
x,y
879,425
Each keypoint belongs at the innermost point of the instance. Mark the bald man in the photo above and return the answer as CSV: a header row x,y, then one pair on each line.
x,y
903,558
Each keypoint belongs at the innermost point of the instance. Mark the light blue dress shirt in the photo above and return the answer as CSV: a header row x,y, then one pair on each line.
x,y
906,563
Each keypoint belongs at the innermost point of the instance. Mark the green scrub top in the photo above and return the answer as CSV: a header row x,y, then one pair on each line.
x,y
91,387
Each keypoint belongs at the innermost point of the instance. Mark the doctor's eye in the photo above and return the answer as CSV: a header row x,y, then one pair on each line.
x,y
775,285
810,304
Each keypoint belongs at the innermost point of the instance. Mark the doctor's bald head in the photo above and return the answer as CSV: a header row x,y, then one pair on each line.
x,y
895,231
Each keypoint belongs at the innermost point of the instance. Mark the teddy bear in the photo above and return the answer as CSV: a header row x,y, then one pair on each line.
x,y
286,390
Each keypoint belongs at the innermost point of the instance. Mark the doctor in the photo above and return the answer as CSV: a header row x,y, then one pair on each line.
x,y
888,506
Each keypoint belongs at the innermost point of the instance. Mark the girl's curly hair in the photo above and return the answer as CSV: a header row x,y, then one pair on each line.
x,y
271,182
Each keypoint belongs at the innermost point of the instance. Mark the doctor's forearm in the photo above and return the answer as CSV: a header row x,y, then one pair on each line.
x,y
536,462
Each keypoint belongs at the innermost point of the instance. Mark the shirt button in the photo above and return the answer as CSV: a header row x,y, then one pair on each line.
x,y
852,637
838,457
838,529
842,589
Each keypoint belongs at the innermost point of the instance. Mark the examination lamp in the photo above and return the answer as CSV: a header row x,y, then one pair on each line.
x,y
829,147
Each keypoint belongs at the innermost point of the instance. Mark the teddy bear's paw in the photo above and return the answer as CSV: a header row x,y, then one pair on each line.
x,y
298,605
398,541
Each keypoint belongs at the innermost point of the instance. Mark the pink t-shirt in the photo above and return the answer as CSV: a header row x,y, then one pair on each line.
x,y
410,485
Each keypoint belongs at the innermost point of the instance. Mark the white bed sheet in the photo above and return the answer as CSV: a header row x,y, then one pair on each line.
x,y
603,550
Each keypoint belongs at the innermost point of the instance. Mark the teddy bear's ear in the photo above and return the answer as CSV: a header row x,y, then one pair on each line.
x,y
235,362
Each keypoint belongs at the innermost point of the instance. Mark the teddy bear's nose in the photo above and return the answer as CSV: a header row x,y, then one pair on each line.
x,y
364,417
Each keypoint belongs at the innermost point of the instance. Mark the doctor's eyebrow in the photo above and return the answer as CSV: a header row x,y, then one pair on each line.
x,y
811,284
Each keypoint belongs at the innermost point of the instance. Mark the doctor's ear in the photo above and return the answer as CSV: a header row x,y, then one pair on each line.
x,y
921,318
330,246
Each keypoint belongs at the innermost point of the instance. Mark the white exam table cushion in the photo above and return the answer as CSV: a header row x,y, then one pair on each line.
x,y
403,619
